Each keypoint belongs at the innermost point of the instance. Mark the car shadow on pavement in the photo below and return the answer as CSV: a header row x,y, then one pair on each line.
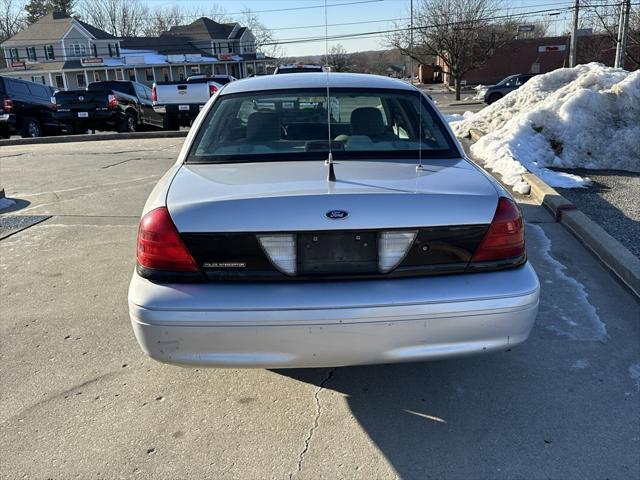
x,y
459,418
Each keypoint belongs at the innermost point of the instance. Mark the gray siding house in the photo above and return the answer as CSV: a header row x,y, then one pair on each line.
x,y
67,53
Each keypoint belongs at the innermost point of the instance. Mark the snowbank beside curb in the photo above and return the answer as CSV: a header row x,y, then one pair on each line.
x,y
582,117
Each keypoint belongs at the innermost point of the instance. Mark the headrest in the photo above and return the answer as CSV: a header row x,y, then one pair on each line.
x,y
367,121
263,126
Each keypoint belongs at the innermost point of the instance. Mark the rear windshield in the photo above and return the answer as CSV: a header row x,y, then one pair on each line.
x,y
124,87
293,124
299,69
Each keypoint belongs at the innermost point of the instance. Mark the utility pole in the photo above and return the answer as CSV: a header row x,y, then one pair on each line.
x,y
623,30
574,36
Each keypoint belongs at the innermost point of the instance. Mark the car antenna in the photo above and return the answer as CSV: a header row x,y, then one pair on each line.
x,y
331,175
419,167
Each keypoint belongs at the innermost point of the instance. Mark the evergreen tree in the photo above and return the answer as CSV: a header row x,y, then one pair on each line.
x,y
36,9
63,6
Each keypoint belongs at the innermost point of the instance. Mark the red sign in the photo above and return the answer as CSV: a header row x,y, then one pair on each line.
x,y
19,64
91,61
224,56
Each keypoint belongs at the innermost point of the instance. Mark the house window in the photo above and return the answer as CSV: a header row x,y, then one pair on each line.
x,y
38,79
13,54
31,54
78,50
81,80
118,74
149,74
48,52
94,48
97,76
59,82
195,70
131,74
165,74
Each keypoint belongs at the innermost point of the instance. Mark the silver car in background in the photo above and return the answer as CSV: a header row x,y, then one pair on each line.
x,y
325,220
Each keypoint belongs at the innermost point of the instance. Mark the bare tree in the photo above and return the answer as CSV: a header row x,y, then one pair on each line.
x,y
12,18
122,18
463,33
604,19
337,58
266,41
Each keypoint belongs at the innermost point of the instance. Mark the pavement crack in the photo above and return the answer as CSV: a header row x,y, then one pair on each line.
x,y
316,420
121,162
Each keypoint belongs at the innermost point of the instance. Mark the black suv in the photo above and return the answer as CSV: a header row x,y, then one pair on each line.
x,y
26,108
506,85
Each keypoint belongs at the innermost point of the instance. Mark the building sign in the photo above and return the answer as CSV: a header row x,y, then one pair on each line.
x,y
91,61
224,56
526,28
19,64
552,48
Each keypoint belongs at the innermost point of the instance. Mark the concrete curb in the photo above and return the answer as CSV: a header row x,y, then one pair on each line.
x,y
611,253
94,138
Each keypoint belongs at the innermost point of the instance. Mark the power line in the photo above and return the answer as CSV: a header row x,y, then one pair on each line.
x,y
369,34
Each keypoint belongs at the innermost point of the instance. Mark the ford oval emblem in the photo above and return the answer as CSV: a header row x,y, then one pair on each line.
x,y
336,214
81,98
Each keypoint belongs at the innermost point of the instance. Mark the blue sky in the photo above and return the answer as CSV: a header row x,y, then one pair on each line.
x,y
380,13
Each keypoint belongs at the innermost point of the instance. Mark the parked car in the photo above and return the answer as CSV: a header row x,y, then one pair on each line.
x,y
221,79
118,105
298,68
495,92
27,109
180,102
279,240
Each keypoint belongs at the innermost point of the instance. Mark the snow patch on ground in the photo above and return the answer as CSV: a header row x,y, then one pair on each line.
x,y
582,117
457,117
6,203
567,299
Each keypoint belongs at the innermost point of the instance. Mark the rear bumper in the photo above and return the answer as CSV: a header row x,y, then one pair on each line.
x,y
94,118
7,119
333,324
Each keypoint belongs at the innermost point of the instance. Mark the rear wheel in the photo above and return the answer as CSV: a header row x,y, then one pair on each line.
x,y
128,123
494,97
31,128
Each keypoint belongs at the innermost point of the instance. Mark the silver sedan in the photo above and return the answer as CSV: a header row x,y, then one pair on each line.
x,y
325,220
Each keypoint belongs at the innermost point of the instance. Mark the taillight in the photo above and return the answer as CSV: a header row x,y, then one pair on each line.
x,y
154,94
54,105
212,90
505,237
7,104
160,246
113,102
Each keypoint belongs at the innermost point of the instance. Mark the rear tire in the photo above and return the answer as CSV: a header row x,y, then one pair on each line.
x,y
170,123
128,124
31,128
494,97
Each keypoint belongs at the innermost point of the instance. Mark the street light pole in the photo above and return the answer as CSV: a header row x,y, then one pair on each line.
x,y
574,36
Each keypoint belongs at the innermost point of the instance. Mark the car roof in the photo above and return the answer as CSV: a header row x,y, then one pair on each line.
x,y
288,81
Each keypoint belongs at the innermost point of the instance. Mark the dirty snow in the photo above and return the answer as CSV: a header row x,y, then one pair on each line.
x,y
582,117
6,203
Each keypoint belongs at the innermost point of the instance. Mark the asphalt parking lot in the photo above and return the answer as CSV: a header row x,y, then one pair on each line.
x,y
79,399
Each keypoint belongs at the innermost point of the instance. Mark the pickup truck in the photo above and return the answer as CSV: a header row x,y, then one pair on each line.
x,y
121,106
180,102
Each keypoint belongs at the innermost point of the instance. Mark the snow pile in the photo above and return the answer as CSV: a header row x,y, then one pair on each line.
x,y
480,91
582,117
457,117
